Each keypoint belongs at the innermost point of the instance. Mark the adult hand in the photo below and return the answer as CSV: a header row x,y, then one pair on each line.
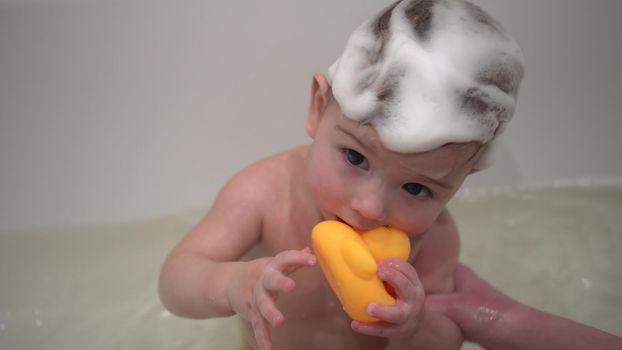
x,y
494,320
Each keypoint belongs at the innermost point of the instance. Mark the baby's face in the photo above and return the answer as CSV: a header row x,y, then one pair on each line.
x,y
356,179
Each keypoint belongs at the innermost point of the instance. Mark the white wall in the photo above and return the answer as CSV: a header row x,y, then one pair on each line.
x,y
116,110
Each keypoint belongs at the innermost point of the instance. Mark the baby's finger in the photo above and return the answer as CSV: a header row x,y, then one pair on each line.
x,y
403,278
261,331
395,314
277,282
291,260
266,307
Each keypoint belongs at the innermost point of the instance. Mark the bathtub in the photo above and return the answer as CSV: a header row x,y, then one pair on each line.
x,y
94,287
111,111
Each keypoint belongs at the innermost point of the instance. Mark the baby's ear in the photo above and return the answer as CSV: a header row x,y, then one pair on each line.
x,y
484,158
317,105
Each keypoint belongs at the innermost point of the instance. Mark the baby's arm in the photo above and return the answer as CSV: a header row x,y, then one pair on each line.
x,y
195,276
202,276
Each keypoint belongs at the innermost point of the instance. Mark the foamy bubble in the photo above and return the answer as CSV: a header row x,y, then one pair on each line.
x,y
427,73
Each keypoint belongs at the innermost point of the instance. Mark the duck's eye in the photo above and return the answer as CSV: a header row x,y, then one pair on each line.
x,y
355,158
416,189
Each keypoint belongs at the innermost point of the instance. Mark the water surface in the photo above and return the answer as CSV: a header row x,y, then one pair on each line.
x,y
558,249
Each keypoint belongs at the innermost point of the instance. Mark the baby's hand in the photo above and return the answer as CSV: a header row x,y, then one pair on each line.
x,y
255,300
400,321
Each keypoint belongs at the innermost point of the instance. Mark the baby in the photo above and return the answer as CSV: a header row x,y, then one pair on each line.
x,y
410,108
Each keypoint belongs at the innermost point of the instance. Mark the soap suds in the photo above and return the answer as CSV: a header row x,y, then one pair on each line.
x,y
426,73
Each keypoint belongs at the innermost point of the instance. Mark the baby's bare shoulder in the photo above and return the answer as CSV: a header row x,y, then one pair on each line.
x,y
266,178
274,168
238,214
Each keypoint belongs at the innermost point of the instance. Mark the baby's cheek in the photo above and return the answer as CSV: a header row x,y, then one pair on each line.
x,y
419,221
326,189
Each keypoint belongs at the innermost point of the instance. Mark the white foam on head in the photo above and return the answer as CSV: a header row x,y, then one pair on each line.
x,y
428,73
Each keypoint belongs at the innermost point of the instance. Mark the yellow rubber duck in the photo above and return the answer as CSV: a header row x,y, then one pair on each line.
x,y
349,259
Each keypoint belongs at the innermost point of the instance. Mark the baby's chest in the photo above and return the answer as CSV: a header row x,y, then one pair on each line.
x,y
280,234
312,298
313,307
314,318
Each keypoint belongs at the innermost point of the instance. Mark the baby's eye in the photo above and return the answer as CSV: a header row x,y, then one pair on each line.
x,y
417,190
356,159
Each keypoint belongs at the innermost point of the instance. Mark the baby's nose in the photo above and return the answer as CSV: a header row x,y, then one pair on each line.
x,y
371,203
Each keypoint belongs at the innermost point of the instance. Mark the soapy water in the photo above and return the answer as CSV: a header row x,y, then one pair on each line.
x,y
96,287
428,73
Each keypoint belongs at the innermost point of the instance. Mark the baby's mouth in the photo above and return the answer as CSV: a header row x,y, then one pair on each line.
x,y
357,228
342,221
350,225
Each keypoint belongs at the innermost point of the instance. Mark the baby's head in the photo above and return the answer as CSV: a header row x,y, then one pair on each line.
x,y
426,73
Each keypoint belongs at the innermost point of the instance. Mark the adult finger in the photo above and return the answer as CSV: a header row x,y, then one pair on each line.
x,y
464,276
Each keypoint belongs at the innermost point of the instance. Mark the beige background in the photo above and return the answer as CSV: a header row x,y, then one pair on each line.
x,y
120,110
